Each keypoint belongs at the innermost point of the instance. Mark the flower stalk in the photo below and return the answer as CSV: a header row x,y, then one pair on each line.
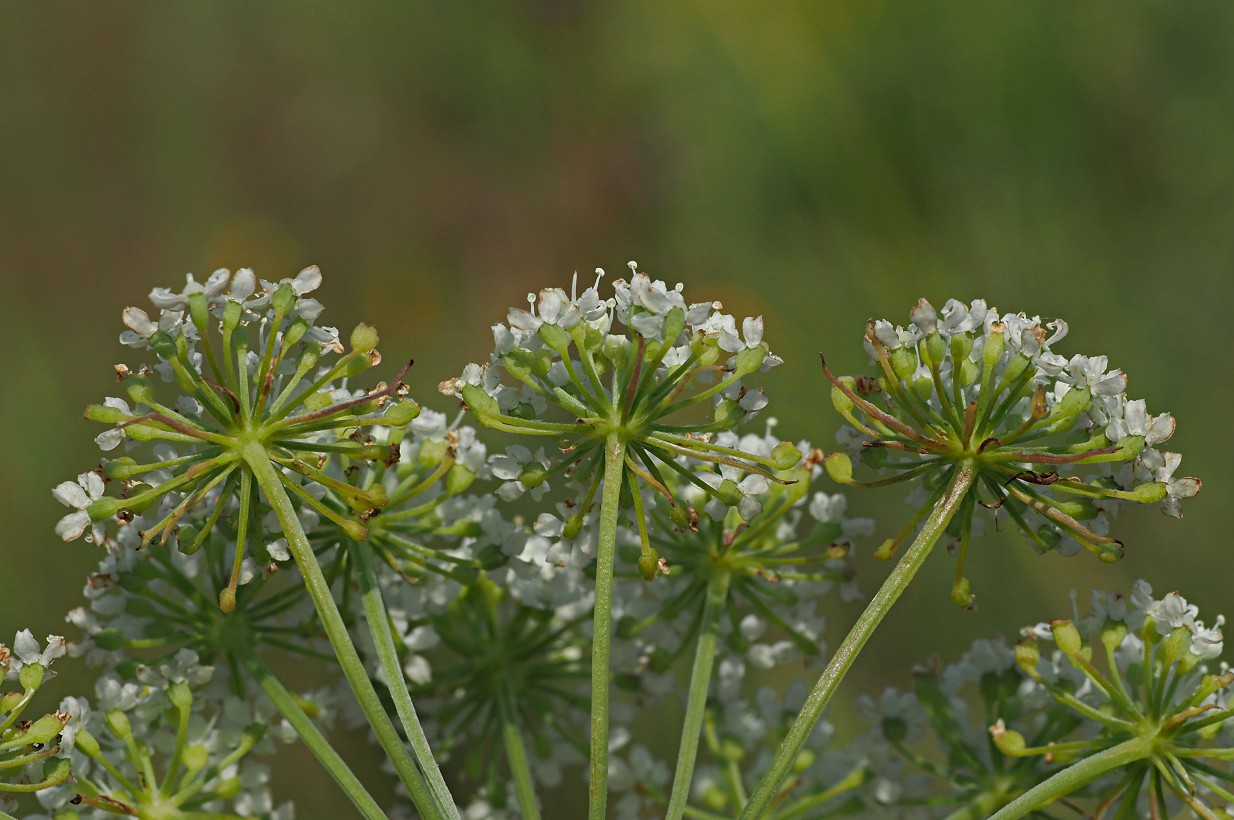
x,y
891,590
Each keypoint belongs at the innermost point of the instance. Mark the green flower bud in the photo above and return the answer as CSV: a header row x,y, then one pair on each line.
x,y
87,743
180,695
119,468
785,455
728,413
480,402
903,363
31,676
103,414
555,338
459,478
649,565
839,467
1067,637
961,594
364,338
295,332
934,349
1009,742
284,299
139,390
402,413
748,360
118,723
104,508
195,756
44,730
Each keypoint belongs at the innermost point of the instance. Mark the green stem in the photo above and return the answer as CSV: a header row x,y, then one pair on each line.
x,y
891,590
700,681
516,753
378,622
1074,776
317,743
610,508
318,589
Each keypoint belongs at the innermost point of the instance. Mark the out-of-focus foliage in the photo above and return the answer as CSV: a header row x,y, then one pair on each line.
x,y
816,163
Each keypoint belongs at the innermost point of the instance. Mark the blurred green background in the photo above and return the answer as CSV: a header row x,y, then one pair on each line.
x,y
814,163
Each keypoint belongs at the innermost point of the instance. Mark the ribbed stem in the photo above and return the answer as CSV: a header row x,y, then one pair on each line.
x,y
700,681
318,588
610,504
378,622
516,753
850,647
307,730
1073,777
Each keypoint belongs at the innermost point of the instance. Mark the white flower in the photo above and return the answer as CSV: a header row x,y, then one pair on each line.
x,y
79,495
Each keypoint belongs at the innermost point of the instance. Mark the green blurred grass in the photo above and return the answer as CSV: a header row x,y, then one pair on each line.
x,y
816,164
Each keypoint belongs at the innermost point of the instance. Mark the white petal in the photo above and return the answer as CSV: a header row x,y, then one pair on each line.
x,y
109,439
307,280
71,494
25,647
243,284
217,282
92,483
73,525
138,321
309,309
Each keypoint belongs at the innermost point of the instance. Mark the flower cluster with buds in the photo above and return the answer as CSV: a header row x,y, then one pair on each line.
x,y
636,367
1054,443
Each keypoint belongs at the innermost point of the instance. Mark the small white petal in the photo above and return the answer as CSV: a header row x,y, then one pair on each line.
x,y
73,525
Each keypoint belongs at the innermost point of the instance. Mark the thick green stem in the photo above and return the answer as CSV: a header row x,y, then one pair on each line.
x,y
378,622
516,753
336,631
846,653
610,508
306,729
700,681
1074,776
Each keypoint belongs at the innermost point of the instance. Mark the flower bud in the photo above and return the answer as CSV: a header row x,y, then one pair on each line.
x,y
748,360
31,676
284,299
118,723
459,478
1009,742
785,455
45,729
1067,637
555,338
402,413
839,467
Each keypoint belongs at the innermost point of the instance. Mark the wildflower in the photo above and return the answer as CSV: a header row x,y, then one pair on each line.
x,y
633,367
1052,443
631,374
1155,715
255,387
33,753
165,748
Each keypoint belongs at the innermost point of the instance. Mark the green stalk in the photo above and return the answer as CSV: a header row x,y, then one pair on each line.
x,y
516,753
610,508
378,622
891,590
700,681
307,730
1074,776
318,588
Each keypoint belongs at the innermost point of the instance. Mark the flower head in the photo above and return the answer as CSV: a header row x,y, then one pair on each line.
x,y
33,752
636,369
1052,443
254,385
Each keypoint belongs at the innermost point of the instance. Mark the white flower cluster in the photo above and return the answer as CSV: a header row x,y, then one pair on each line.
x,y
643,306
1031,337
1047,709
